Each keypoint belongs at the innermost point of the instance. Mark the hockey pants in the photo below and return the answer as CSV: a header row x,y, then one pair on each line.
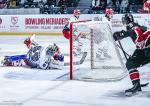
x,y
138,59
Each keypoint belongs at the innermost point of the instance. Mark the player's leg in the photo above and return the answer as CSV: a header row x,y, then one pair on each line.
x,y
102,52
77,48
136,60
16,60
66,33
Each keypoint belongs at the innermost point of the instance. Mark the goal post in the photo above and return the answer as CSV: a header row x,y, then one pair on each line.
x,y
103,61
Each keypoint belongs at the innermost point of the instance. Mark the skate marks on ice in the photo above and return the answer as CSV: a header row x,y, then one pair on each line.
x,y
37,74
121,94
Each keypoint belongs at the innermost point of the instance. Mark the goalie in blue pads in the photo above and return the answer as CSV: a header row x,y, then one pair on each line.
x,y
43,57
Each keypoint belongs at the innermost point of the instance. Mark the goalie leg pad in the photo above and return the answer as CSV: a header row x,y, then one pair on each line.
x,y
15,57
17,60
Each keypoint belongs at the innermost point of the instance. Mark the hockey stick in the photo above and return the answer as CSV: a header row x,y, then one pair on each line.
x,y
126,54
77,62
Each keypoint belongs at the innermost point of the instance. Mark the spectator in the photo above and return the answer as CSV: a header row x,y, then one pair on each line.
x,y
13,3
103,4
124,5
62,2
2,4
109,3
63,9
95,4
51,2
115,1
117,6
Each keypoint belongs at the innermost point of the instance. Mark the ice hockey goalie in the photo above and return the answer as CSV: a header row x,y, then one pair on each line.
x,y
39,56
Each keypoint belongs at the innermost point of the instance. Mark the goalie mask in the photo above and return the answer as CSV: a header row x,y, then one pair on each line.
x,y
52,49
127,19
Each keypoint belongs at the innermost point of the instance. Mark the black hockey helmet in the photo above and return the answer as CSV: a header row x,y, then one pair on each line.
x,y
127,18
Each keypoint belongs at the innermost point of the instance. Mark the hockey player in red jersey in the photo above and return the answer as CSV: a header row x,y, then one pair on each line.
x,y
74,18
141,56
147,6
76,33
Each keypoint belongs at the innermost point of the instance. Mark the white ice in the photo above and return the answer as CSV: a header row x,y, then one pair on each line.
x,y
21,86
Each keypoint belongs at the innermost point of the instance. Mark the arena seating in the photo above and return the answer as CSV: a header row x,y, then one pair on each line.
x,y
67,6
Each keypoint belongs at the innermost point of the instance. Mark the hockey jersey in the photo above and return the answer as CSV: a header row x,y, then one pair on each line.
x,y
139,35
37,57
66,28
103,19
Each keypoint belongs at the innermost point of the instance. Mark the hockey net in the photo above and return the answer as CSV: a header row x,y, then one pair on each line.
x,y
103,61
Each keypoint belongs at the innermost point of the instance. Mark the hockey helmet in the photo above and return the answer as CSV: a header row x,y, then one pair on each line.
x,y
147,3
108,11
127,18
76,11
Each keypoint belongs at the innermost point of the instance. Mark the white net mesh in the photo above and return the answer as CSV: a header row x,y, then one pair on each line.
x,y
103,61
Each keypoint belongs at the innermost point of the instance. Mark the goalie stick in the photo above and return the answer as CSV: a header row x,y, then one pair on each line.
x,y
77,62
126,54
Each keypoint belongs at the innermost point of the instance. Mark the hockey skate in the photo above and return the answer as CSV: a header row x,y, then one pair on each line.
x,y
77,52
6,62
134,90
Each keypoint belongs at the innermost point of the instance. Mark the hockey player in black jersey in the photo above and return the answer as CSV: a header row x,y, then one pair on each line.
x,y
141,56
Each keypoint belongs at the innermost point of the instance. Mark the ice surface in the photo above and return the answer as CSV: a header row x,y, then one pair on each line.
x,y
35,87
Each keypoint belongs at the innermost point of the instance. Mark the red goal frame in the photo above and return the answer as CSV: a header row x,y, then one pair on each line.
x,y
71,47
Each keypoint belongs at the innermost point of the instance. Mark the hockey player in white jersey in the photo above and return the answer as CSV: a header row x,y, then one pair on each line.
x,y
108,15
76,35
38,56
102,52
74,18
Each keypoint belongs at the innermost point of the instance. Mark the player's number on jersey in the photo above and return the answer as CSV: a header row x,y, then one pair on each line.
x,y
35,53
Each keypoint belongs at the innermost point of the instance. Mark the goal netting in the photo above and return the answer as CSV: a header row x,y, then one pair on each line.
x,y
103,61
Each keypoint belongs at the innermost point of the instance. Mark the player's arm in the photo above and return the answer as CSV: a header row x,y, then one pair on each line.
x,y
123,34
144,28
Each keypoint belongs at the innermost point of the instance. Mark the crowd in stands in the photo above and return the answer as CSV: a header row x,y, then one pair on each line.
x,y
67,6
46,6
119,6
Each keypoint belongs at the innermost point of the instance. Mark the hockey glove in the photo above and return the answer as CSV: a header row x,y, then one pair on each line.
x,y
58,57
119,35
116,36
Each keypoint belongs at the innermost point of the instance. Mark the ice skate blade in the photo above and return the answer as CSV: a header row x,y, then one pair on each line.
x,y
129,94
